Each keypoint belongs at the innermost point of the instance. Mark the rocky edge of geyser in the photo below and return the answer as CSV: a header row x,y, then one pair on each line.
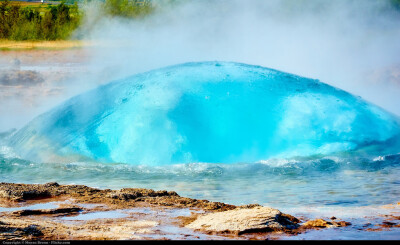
x,y
127,197
217,218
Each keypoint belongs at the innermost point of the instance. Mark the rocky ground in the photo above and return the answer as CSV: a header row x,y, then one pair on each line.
x,y
72,212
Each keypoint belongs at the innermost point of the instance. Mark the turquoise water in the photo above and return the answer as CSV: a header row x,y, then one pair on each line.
x,y
220,131
213,112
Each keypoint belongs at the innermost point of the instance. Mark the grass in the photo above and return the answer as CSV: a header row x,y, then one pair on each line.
x,y
25,4
34,5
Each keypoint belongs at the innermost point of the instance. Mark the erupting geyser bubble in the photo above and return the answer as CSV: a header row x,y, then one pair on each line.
x,y
215,112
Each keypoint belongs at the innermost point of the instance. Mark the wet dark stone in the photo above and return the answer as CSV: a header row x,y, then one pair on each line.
x,y
33,230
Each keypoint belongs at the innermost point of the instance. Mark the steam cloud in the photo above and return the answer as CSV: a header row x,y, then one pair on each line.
x,y
353,45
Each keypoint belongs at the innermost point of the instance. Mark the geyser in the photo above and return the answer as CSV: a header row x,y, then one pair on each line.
x,y
216,112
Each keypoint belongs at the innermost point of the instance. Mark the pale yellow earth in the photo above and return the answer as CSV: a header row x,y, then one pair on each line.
x,y
58,44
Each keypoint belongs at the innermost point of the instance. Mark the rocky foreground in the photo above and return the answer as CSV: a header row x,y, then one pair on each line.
x,y
72,212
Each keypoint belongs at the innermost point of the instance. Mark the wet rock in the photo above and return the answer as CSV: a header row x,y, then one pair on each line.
x,y
288,217
367,224
50,184
20,78
178,201
124,197
32,224
33,230
392,217
12,233
388,224
134,193
250,206
342,223
47,211
18,192
244,220
320,223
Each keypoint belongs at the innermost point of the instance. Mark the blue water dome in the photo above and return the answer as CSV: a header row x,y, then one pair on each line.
x,y
215,112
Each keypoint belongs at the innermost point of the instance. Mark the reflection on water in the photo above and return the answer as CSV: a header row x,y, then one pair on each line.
x,y
49,205
98,215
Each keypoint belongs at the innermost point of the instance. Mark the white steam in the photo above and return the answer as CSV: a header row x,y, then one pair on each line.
x,y
353,45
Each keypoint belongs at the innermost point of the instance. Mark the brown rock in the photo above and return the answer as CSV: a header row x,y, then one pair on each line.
x,y
11,232
342,223
19,192
243,220
317,223
33,230
134,193
127,197
388,224
320,223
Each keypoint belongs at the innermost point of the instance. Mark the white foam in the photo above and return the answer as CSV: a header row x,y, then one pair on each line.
x,y
8,152
379,159
274,162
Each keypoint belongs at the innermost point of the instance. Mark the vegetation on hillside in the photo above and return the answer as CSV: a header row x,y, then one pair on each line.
x,y
60,20
49,22
128,8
